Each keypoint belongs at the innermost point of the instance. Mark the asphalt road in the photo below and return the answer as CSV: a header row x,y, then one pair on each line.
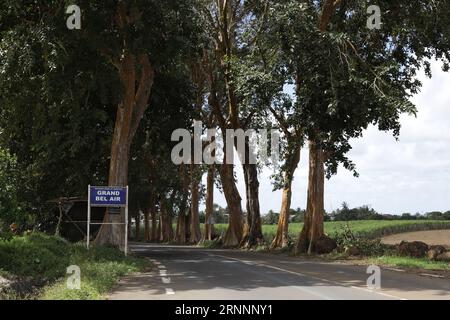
x,y
187,273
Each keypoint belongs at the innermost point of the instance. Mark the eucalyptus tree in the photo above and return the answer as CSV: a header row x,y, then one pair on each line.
x,y
152,174
111,61
137,38
234,29
53,109
282,111
349,76
261,75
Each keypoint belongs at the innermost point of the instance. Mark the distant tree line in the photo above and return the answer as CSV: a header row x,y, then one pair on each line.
x,y
365,212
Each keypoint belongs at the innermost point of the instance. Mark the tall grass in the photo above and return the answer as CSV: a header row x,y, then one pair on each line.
x,y
367,228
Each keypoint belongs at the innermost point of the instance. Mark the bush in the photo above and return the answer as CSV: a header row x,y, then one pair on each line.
x,y
345,239
6,235
38,256
42,260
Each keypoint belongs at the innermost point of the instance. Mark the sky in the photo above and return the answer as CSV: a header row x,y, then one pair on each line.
x,y
410,175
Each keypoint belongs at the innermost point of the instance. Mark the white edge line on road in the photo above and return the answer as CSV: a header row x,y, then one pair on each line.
x,y
395,269
432,275
170,291
163,274
314,277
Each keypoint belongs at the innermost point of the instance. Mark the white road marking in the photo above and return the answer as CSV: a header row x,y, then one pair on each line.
x,y
431,275
394,269
163,273
170,291
313,277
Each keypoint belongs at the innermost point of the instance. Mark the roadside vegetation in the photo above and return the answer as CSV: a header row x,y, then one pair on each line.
x,y
103,105
409,263
361,240
35,265
368,228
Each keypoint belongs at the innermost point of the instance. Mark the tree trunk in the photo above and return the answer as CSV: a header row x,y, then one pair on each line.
x,y
233,235
187,224
153,215
113,234
209,226
313,227
180,235
129,114
159,228
196,234
166,223
253,235
129,223
147,235
58,226
137,235
282,236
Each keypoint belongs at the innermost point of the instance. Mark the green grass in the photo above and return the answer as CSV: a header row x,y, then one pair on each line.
x,y
43,260
367,228
410,263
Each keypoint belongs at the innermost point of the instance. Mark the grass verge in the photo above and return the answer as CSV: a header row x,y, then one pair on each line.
x,y
410,263
41,262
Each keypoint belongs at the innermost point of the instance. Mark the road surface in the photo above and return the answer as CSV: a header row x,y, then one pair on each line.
x,y
188,273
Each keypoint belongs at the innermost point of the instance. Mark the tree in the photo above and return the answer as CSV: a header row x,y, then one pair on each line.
x,y
140,36
151,175
271,217
124,46
348,77
227,20
53,107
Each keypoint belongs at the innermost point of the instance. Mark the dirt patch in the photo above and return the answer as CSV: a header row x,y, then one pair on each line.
x,y
432,237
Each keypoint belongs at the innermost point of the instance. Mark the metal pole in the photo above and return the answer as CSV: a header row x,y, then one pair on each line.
x,y
89,217
126,225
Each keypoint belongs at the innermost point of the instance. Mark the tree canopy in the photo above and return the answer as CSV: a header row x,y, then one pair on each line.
x,y
98,104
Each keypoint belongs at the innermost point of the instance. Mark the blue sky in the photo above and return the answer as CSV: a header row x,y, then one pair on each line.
x,y
410,175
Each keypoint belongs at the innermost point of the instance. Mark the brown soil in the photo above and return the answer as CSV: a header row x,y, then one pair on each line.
x,y
432,237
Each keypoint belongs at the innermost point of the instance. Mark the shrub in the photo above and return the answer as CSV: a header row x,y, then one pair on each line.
x,y
38,262
39,256
6,235
345,238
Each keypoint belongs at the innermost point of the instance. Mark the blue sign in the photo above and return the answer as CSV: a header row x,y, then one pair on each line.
x,y
108,196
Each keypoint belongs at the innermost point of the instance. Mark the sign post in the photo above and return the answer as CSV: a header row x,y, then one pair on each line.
x,y
126,224
89,217
108,197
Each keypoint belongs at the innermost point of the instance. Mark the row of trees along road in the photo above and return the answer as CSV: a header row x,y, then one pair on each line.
x,y
98,105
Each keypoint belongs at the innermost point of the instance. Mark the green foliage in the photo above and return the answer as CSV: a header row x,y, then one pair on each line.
x,y
97,279
370,229
361,213
348,77
9,204
43,260
409,263
59,91
270,218
345,239
39,256
6,235
212,244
